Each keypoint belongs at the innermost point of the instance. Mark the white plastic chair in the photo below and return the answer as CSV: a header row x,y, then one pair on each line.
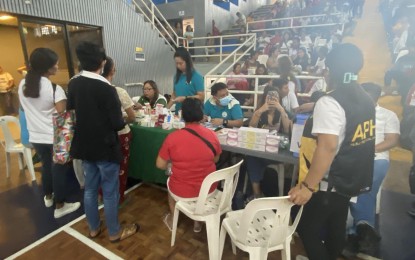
x,y
279,168
262,59
209,208
259,229
10,146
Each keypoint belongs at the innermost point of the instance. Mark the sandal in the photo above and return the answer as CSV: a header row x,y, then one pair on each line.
x,y
127,232
98,232
166,222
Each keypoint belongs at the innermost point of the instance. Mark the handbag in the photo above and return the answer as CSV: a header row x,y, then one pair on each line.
x,y
412,179
63,131
63,128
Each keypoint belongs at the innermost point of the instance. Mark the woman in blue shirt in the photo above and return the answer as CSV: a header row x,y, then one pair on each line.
x,y
187,82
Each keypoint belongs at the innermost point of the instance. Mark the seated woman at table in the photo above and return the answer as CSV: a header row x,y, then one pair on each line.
x,y
189,169
151,95
270,115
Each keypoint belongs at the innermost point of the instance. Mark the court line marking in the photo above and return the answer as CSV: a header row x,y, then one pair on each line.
x,y
55,232
92,244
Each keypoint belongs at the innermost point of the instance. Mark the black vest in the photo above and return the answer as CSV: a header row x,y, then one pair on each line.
x,y
351,171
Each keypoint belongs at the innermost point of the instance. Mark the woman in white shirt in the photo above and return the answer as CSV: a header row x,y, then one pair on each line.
x,y
125,134
39,99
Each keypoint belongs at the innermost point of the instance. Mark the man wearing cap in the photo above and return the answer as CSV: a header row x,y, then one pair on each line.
x,y
336,156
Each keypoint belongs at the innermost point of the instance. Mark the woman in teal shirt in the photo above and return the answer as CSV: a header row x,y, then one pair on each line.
x,y
187,82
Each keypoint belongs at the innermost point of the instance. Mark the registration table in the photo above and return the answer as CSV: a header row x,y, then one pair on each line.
x,y
146,142
144,148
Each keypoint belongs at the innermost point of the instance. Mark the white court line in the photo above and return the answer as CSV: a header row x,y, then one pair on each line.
x,y
95,246
43,239
53,233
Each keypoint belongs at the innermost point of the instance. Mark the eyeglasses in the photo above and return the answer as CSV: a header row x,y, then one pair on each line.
x,y
147,89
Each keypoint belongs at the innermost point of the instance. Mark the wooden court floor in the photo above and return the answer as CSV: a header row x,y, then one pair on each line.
x,y
147,206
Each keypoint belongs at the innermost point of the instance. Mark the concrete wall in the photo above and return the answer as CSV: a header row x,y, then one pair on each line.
x,y
204,11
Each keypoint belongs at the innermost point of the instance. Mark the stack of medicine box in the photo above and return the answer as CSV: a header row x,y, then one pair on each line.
x,y
252,138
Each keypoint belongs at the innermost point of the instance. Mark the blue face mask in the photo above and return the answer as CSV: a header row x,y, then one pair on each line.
x,y
225,100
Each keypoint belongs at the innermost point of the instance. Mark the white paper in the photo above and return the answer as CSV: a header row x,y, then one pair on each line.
x,y
296,138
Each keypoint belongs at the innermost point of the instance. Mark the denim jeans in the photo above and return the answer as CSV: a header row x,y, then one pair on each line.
x,y
53,174
256,167
364,210
102,174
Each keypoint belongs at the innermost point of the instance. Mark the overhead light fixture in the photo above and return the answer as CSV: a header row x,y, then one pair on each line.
x,y
5,17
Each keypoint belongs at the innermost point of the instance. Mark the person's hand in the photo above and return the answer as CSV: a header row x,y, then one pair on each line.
x,y
264,108
217,121
137,106
300,195
179,99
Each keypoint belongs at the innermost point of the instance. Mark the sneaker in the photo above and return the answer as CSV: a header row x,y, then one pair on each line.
x,y
48,202
66,209
368,239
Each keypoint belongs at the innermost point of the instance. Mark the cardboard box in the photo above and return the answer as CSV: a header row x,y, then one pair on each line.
x,y
252,146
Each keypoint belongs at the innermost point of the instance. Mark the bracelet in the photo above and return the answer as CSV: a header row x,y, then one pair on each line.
x,y
308,187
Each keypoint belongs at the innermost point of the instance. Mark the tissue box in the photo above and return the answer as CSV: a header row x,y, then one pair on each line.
x,y
232,142
223,137
252,146
273,140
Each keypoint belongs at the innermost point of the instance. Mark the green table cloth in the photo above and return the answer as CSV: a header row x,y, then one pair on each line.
x,y
144,148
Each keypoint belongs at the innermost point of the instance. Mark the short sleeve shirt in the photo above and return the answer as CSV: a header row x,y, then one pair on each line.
x,y
126,102
233,111
329,118
39,111
160,100
290,102
189,168
386,123
183,88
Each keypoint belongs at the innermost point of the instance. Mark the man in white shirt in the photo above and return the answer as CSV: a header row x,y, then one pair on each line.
x,y
364,210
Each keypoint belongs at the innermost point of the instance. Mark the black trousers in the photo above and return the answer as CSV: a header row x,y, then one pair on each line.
x,y
322,227
53,175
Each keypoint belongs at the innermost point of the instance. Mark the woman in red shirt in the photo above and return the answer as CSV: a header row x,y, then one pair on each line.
x,y
192,159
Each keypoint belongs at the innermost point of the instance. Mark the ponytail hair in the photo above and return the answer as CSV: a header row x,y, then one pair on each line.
x,y
41,60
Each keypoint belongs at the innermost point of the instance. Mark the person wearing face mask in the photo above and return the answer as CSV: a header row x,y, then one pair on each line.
x,y
223,108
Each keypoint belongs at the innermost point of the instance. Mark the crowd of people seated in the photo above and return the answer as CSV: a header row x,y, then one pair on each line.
x,y
330,151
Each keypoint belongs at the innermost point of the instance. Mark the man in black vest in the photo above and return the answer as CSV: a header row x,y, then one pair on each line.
x,y
336,156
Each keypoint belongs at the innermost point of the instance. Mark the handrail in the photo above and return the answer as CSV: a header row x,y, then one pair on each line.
x,y
252,39
221,44
152,8
289,18
255,92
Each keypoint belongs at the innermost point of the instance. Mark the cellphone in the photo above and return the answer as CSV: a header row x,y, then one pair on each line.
x,y
272,96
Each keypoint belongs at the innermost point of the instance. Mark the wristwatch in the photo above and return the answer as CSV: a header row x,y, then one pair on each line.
x,y
225,122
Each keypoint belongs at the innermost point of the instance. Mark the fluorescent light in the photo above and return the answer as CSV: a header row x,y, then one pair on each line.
x,y
5,17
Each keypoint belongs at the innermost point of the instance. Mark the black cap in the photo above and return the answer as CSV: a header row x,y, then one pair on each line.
x,y
344,59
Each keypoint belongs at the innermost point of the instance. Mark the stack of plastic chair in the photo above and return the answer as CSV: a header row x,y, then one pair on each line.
x,y
209,207
11,146
262,227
